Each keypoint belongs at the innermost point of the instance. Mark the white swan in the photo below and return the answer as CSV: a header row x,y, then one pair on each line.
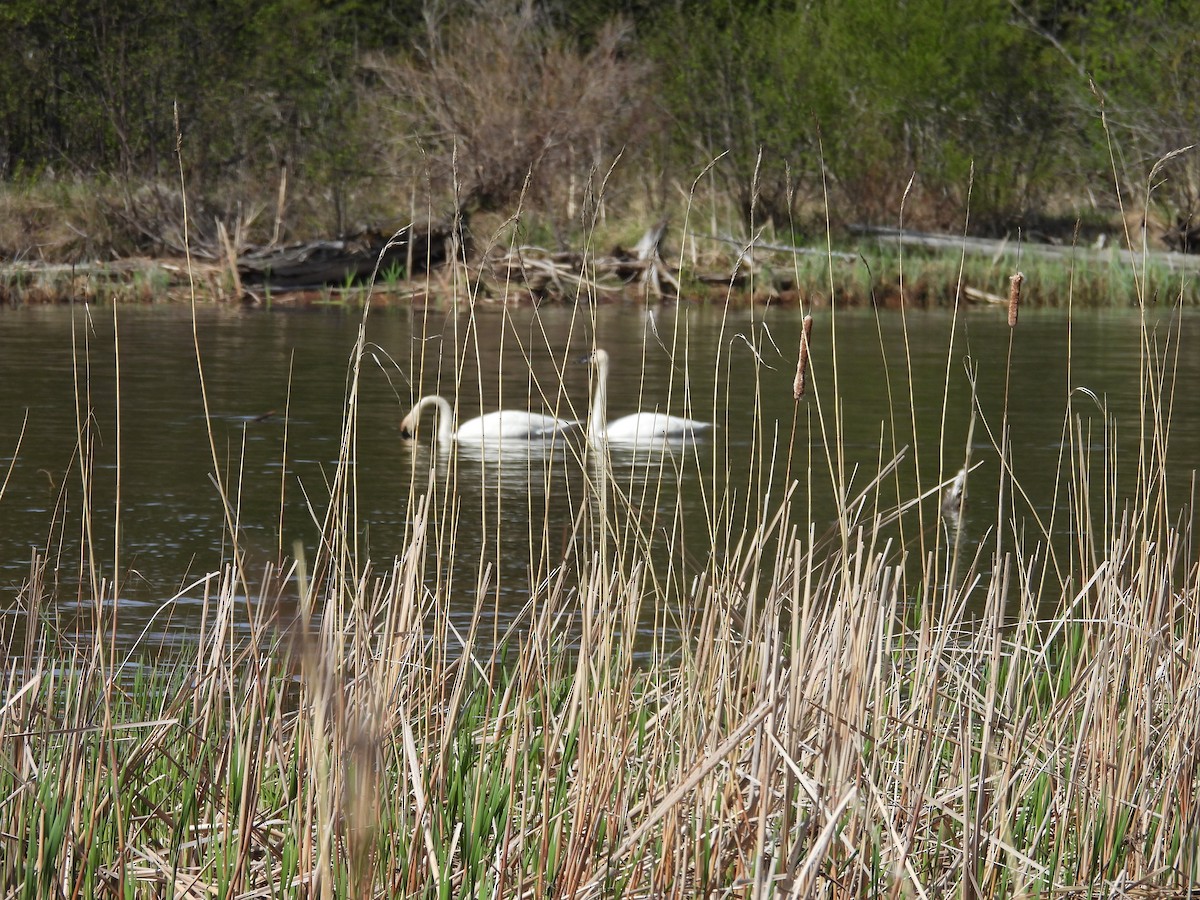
x,y
512,425
641,429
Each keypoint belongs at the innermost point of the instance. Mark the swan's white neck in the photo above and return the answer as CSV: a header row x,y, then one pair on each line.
x,y
445,416
597,418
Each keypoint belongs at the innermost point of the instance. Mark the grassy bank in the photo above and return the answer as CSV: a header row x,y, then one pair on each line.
x,y
826,714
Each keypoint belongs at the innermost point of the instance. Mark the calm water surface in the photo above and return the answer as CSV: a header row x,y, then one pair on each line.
x,y
276,383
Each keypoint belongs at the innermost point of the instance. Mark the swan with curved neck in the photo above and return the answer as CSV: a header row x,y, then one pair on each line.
x,y
512,425
639,429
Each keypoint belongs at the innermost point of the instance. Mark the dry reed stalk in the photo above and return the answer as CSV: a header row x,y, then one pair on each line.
x,y
799,385
231,258
1014,297
280,204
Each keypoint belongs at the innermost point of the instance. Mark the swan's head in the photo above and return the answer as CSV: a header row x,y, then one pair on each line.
x,y
408,427
596,358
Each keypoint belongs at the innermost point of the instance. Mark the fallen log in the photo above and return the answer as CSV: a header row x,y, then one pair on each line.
x,y
993,247
355,259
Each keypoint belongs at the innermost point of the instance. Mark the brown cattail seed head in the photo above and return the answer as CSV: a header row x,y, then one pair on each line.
x,y
1014,297
802,365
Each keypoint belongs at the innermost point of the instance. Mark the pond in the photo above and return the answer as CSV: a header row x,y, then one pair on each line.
x,y
275,384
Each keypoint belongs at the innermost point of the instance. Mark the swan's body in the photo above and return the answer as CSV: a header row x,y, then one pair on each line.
x,y
639,429
512,425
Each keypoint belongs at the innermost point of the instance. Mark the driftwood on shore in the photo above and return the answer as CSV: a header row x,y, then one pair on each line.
x,y
569,274
416,250
356,259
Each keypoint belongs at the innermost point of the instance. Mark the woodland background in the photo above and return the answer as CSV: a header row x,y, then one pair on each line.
x,y
297,118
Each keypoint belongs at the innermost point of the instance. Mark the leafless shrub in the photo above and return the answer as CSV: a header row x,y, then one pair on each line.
x,y
497,104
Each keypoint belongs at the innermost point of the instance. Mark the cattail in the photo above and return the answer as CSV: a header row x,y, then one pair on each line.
x,y
1014,297
802,364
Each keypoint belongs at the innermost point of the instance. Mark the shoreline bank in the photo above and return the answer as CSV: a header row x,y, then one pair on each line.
x,y
885,267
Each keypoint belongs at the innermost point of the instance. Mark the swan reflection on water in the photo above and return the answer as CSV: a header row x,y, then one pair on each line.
x,y
517,469
506,508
